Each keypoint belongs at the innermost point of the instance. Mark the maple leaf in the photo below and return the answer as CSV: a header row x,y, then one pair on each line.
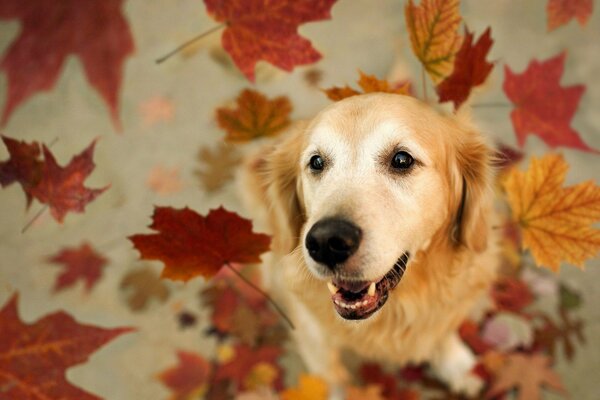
x,y
258,30
259,394
369,84
527,374
94,30
254,117
511,294
33,357
372,374
80,263
470,69
560,12
557,222
566,332
470,333
217,166
310,387
189,378
164,181
432,27
239,368
542,106
191,245
23,167
371,392
62,188
142,286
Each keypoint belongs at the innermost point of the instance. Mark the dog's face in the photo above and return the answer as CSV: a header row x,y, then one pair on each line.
x,y
375,178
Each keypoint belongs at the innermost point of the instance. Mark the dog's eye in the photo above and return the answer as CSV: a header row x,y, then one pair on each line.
x,y
402,160
316,163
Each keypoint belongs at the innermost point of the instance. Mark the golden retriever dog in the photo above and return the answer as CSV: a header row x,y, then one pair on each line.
x,y
381,210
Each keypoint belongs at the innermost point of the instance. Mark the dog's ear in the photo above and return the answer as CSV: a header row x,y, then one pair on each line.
x,y
283,189
473,191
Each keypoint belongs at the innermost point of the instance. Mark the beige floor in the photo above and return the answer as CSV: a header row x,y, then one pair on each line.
x,y
364,34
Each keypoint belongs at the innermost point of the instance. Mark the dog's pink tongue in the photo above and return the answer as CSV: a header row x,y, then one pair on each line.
x,y
351,286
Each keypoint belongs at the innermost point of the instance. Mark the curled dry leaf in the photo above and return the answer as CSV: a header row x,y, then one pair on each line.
x,y
560,12
79,263
34,357
542,106
217,166
433,29
192,245
255,117
369,84
94,30
142,286
470,69
557,222
257,30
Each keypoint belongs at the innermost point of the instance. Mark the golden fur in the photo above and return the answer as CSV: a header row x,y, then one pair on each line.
x,y
451,267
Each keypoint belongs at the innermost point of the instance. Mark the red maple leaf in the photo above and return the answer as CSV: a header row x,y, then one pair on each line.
x,y
560,12
82,263
94,30
62,188
372,374
268,30
188,378
470,69
511,294
23,167
243,362
470,333
542,106
191,245
33,357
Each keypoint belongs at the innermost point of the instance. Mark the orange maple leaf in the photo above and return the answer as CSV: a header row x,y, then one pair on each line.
x,y
556,221
254,117
369,84
309,388
527,373
560,12
433,29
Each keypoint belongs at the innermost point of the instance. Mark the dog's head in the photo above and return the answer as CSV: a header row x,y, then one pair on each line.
x,y
368,183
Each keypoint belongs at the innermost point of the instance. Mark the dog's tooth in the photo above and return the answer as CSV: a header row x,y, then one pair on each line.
x,y
372,289
353,306
332,288
337,302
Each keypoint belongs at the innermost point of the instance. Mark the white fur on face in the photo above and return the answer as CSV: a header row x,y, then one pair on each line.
x,y
397,212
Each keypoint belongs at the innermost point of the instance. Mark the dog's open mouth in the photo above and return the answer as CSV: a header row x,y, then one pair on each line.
x,y
360,299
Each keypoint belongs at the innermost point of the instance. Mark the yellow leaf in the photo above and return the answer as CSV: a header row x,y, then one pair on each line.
x,y
369,84
254,117
556,221
309,388
432,27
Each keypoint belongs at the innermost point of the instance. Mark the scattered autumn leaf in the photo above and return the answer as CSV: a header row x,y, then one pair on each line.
x,y
542,106
157,109
189,378
507,331
79,263
61,188
470,333
369,84
511,294
432,26
34,357
245,325
255,117
372,374
261,375
217,166
470,69
24,165
528,374
569,298
566,332
95,30
259,394
191,245
186,319
557,222
142,286
313,77
371,392
257,30
560,12
310,387
164,181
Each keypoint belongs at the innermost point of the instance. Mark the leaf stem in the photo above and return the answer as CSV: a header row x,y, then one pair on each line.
x,y
189,42
262,292
35,217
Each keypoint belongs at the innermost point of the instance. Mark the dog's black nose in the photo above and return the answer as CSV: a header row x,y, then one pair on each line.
x,y
332,240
